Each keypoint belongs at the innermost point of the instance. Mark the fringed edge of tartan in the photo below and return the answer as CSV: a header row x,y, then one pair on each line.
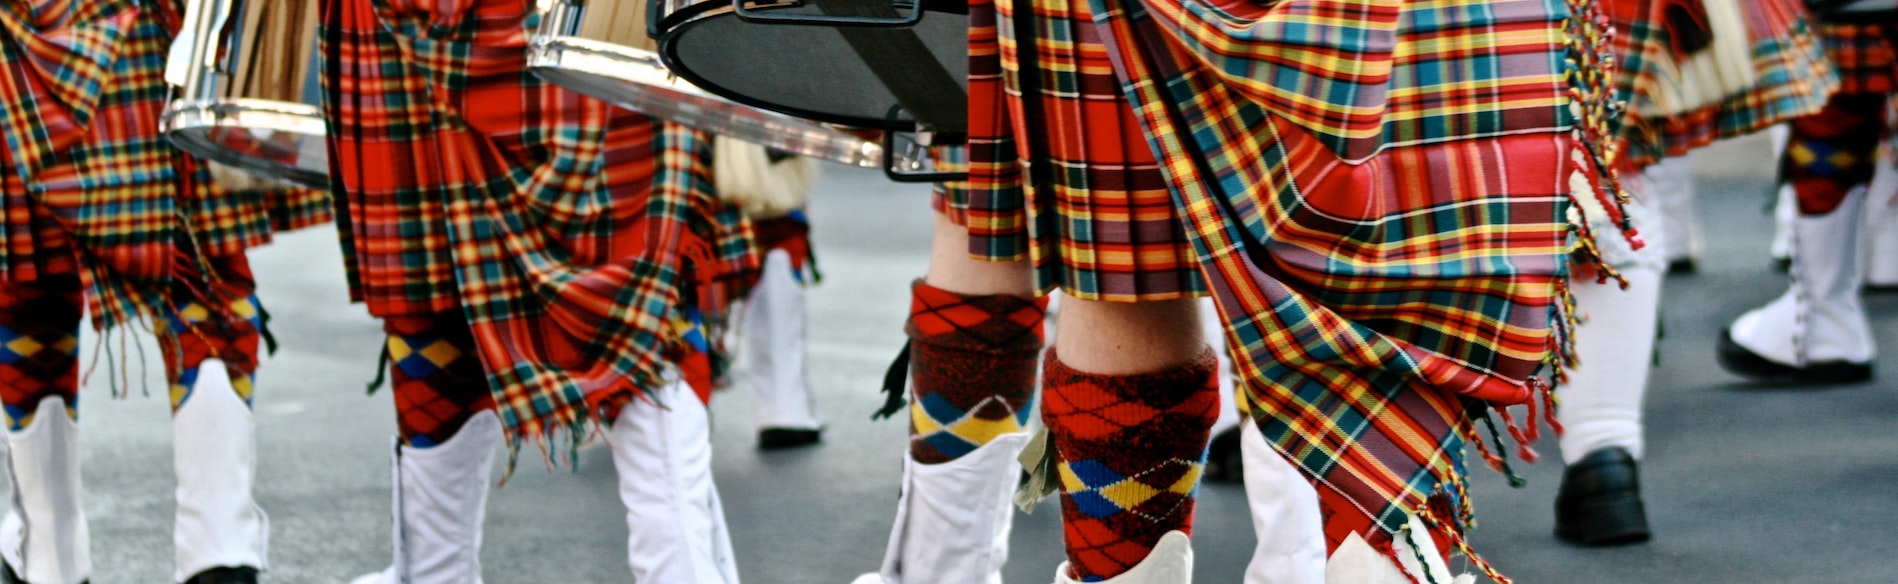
x,y
1595,187
116,304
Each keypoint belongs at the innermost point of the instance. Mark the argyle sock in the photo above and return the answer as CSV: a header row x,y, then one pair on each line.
x,y
436,376
218,319
1833,150
1130,449
39,346
972,366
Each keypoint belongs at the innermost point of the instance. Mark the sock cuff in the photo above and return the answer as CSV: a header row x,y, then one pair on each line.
x,y
990,323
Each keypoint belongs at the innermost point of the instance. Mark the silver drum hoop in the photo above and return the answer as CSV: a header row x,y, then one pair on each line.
x,y
636,79
271,139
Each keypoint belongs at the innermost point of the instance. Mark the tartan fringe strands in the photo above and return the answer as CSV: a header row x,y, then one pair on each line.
x,y
88,186
583,243
1383,213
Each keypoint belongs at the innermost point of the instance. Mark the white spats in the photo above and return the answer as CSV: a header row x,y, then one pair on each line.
x,y
214,452
44,537
663,453
441,500
953,518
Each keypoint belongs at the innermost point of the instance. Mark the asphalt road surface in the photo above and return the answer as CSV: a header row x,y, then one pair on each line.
x,y
1744,483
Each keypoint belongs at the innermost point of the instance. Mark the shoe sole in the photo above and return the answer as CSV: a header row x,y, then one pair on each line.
x,y
1606,521
781,438
1745,363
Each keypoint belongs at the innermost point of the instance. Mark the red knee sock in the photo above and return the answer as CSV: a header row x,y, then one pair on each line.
x,y
39,345
438,380
1130,449
972,367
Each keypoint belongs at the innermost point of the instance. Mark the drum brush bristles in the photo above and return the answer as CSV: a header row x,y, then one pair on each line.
x,y
619,22
747,175
1712,55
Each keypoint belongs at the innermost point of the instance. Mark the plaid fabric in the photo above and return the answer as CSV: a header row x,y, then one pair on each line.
x,y
1376,306
1863,54
85,170
581,240
1793,79
1104,227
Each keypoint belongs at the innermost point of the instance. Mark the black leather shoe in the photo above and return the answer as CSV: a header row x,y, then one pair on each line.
x,y
1740,361
1682,267
225,575
1599,503
781,438
1224,461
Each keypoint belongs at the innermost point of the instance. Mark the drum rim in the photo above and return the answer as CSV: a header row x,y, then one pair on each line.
x,y
678,22
541,57
184,120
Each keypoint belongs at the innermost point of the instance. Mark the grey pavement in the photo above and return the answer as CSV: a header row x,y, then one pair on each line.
x,y
1744,483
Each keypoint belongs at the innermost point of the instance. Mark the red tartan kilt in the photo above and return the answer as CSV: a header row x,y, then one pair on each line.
x,y
1107,229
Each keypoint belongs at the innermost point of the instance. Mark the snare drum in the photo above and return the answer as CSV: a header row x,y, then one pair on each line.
x,y
604,52
244,68
858,63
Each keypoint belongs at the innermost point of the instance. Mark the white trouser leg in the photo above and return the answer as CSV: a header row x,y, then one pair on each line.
x,y
774,332
44,536
1671,192
441,500
1601,403
1786,206
1820,318
676,525
1881,226
214,452
953,518
1285,516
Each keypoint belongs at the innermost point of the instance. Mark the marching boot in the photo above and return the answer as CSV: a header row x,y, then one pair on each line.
x,y
219,525
1356,562
953,518
775,333
1817,332
1170,562
1599,502
662,449
1285,516
43,537
441,499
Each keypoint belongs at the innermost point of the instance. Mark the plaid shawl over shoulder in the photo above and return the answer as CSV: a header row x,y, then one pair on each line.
x,y
582,241
1378,192
87,184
